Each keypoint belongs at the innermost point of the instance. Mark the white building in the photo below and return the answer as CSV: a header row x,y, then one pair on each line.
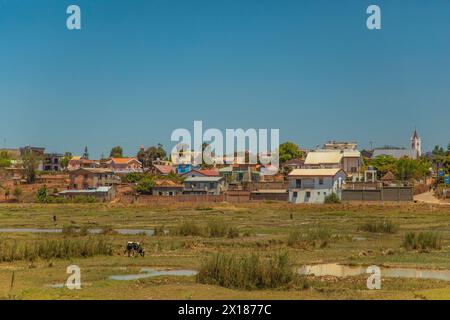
x,y
416,143
313,185
348,160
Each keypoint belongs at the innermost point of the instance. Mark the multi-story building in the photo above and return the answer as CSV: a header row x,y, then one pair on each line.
x,y
313,185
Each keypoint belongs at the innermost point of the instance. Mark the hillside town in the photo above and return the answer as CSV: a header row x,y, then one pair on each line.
x,y
337,171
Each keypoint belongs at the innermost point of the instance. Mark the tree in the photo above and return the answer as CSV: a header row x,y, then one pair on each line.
x,y
30,162
151,154
65,160
448,148
205,165
116,152
42,194
438,151
382,164
288,151
408,169
18,192
145,185
5,159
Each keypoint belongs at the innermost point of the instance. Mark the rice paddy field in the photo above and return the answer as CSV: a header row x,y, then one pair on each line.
x,y
225,251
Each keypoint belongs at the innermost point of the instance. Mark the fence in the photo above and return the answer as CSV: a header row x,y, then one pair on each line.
x,y
229,196
383,194
170,199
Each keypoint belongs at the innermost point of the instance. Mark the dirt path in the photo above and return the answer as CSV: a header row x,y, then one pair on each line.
x,y
428,197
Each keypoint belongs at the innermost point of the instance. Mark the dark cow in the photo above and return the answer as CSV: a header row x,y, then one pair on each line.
x,y
134,248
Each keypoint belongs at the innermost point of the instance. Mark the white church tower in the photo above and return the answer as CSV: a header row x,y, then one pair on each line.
x,y
416,143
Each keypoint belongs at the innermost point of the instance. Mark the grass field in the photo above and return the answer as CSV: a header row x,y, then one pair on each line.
x,y
342,233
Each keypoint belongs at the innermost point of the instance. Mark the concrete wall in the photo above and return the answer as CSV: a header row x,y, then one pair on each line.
x,y
269,196
315,195
384,194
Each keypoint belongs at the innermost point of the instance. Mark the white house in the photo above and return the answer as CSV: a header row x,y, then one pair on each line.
x,y
313,185
348,160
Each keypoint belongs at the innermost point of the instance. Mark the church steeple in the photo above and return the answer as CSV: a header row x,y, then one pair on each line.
x,y
416,143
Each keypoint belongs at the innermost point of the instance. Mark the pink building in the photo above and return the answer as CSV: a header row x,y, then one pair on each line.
x,y
124,165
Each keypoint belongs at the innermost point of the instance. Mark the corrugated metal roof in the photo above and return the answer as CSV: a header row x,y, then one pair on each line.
x,y
314,172
320,157
396,153
203,179
351,153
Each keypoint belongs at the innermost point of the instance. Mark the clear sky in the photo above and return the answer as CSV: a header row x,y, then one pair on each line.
x,y
139,69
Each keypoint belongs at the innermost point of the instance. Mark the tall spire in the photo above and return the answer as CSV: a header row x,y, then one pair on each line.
x,y
415,135
85,154
416,143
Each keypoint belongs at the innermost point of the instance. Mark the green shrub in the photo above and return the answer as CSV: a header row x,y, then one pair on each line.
x,y
53,249
217,229
159,231
17,192
380,226
233,232
145,185
332,198
84,231
316,236
133,177
42,194
247,272
188,228
422,241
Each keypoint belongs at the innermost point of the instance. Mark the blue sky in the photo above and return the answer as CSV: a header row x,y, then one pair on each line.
x,y
139,69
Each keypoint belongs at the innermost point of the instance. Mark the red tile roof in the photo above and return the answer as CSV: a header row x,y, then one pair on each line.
x,y
122,160
164,169
214,172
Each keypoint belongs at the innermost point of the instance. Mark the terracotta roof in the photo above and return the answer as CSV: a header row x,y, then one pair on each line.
x,y
165,169
209,172
389,176
167,184
122,160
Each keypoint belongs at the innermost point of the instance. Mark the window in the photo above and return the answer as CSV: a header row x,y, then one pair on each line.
x,y
308,194
295,194
320,181
298,183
